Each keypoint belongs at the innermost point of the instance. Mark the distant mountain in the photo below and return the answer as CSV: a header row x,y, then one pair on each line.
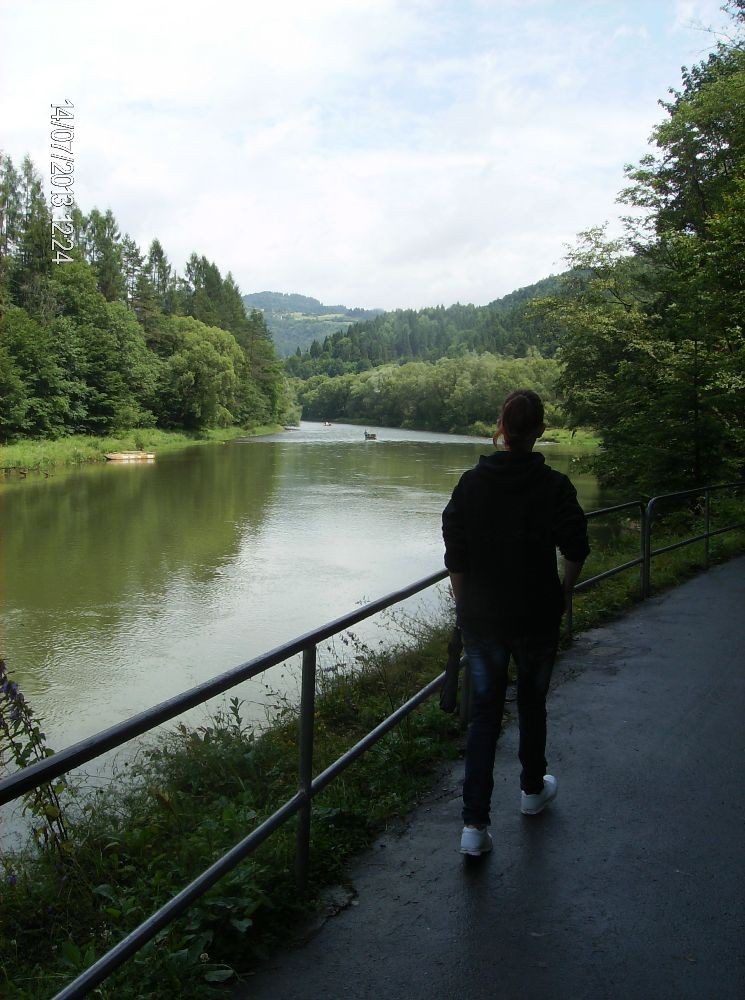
x,y
505,327
297,320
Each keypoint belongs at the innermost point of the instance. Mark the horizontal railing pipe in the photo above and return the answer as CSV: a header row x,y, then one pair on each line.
x,y
612,510
606,574
696,538
696,490
677,545
730,527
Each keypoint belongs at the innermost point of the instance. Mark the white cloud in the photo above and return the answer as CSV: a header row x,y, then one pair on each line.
x,y
632,31
386,152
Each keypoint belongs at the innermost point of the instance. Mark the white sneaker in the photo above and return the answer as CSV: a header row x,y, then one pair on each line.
x,y
475,841
533,804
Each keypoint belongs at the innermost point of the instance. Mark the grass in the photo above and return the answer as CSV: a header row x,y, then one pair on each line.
x,y
42,455
195,792
580,437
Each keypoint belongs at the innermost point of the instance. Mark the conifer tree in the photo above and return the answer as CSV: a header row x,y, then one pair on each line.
x,y
33,261
160,274
103,250
132,267
10,207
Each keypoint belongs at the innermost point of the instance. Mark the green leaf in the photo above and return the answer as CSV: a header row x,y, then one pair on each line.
x,y
70,953
106,891
219,975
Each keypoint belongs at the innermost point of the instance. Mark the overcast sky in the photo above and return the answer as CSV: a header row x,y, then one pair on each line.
x,y
392,153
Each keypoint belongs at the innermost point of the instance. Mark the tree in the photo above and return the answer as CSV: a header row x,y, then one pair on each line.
x,y
39,405
262,365
118,370
701,143
10,207
160,275
651,326
103,250
13,397
199,381
32,255
136,367
132,268
232,311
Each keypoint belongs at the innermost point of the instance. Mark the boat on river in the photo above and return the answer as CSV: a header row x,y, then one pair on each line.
x,y
130,456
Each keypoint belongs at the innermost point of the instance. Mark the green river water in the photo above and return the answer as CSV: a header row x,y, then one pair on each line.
x,y
126,584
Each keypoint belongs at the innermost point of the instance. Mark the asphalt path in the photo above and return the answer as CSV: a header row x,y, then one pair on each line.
x,y
630,885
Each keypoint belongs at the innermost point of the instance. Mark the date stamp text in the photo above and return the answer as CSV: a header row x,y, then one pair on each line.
x,y
62,170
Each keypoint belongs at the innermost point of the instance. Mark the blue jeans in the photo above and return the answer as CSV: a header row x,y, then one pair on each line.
x,y
488,657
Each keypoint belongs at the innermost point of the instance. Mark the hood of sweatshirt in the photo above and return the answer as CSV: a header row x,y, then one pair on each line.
x,y
513,471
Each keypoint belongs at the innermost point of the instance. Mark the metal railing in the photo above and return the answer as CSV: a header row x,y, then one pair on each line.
x,y
650,553
646,552
308,786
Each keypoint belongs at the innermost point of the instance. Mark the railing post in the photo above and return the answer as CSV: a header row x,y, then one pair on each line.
x,y
642,543
305,766
707,525
647,550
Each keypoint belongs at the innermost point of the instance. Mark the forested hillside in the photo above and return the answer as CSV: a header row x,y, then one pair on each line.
x,y
504,327
295,321
111,337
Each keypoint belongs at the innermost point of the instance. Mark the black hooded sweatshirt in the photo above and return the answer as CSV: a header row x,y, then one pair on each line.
x,y
502,526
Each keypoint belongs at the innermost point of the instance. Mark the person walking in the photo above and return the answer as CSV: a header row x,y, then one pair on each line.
x,y
501,528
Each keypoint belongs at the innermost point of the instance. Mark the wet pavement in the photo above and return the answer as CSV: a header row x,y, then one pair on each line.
x,y
630,885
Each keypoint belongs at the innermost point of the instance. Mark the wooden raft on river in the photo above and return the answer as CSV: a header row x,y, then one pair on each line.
x,y
130,456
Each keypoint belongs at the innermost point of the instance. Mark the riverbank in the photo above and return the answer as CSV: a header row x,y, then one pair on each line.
x,y
195,792
42,455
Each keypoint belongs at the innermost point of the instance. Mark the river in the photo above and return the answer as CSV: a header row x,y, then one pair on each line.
x,y
126,584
